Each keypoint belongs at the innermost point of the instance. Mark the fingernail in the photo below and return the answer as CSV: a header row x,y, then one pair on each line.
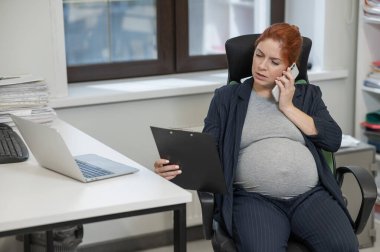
x,y
176,166
179,171
166,161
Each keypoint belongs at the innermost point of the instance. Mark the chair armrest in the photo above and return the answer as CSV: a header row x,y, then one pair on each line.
x,y
368,190
207,204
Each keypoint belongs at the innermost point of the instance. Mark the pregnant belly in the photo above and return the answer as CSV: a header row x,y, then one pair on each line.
x,y
277,167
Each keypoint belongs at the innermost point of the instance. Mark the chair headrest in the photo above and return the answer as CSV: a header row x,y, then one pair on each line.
x,y
239,51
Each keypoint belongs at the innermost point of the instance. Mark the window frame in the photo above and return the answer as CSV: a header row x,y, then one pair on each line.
x,y
172,49
162,65
187,63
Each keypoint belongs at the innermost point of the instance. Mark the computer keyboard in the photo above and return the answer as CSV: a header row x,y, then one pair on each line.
x,y
91,171
12,147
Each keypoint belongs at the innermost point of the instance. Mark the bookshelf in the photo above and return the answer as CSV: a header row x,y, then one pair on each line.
x,y
367,98
368,50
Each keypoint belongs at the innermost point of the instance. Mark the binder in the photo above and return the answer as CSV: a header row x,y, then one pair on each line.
x,y
197,156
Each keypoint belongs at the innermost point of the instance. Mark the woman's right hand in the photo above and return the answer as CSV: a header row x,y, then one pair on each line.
x,y
162,168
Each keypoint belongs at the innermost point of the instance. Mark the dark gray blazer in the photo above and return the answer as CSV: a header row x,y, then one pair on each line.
x,y
225,120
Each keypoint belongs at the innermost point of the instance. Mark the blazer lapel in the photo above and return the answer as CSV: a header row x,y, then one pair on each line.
x,y
297,98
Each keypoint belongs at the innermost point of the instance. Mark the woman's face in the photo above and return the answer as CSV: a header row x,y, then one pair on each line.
x,y
267,63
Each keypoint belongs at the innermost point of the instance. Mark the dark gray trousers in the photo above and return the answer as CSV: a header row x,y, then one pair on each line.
x,y
264,224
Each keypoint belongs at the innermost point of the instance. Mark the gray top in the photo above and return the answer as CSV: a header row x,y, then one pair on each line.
x,y
273,158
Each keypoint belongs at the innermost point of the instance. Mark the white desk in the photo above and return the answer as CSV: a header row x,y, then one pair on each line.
x,y
34,198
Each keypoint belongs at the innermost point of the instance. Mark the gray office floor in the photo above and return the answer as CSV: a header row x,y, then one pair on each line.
x,y
205,246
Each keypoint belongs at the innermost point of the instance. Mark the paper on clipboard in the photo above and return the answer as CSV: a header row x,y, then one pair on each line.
x,y
197,156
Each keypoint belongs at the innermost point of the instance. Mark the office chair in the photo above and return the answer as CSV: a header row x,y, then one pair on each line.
x,y
239,51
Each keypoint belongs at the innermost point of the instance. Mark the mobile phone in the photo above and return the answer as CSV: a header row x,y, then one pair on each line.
x,y
276,90
294,70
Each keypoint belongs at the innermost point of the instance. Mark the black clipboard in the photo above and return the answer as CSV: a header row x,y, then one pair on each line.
x,y
197,156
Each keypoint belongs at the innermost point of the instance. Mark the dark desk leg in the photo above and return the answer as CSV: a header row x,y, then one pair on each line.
x,y
27,243
180,229
49,241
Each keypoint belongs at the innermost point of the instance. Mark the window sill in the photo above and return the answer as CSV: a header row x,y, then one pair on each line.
x,y
102,92
323,75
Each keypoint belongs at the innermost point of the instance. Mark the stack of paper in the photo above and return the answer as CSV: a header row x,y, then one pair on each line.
x,y
373,78
24,96
349,141
371,9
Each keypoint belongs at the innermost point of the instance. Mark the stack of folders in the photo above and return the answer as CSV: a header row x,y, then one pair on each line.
x,y
371,10
372,128
25,96
373,78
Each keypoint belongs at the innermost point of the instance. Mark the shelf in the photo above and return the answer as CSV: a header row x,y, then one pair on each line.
x,y
366,98
370,14
371,20
370,89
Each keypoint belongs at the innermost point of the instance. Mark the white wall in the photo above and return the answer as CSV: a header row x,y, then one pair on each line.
x,y
334,49
28,45
340,41
32,41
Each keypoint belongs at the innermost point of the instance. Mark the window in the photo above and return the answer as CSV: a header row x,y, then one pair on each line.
x,y
307,16
109,39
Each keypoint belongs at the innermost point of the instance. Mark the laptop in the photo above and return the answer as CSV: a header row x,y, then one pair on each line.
x,y
51,152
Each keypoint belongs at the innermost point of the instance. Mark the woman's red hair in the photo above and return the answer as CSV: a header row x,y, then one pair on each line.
x,y
289,37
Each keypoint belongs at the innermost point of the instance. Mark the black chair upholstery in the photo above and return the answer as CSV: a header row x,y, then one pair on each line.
x,y
239,52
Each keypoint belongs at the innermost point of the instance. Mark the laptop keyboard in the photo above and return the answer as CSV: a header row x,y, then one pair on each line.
x,y
12,147
91,171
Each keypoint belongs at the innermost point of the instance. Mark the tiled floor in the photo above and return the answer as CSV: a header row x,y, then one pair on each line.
x,y
205,246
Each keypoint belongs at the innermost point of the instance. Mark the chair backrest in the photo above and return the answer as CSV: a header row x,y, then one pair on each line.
x,y
239,51
330,159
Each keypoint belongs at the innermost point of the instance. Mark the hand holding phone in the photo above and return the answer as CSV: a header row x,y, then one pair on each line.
x,y
276,90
